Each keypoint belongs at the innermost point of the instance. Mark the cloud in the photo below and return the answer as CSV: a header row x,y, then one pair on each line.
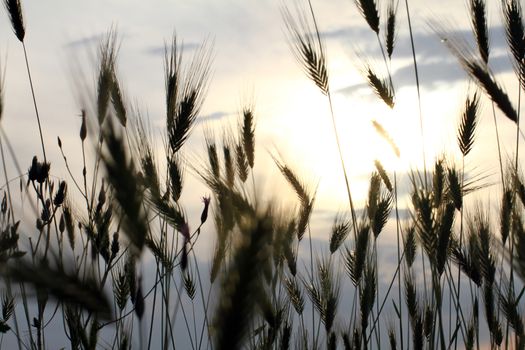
x,y
427,43
431,74
160,50
94,39
436,64
84,41
213,117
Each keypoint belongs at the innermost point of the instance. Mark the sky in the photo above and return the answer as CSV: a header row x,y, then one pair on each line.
x,y
252,62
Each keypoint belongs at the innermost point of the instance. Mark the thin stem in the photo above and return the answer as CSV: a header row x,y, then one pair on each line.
x,y
17,328
335,130
312,278
376,320
416,71
11,210
26,311
34,102
499,146
206,321
254,190
511,243
354,219
184,316
153,309
457,303
378,331
398,234
37,117
461,229
438,296
385,60
206,305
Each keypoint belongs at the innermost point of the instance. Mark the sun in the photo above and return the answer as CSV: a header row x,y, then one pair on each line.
x,y
368,131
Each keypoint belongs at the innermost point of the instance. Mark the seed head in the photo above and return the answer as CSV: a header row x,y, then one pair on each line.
x,y
14,9
83,129
61,194
38,171
185,231
204,215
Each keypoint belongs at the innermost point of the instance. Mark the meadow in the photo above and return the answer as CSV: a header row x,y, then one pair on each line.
x,y
110,257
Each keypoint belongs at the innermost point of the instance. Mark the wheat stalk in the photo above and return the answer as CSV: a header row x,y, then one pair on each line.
x,y
383,88
308,51
184,92
14,9
390,36
479,72
386,136
340,230
468,124
478,18
368,9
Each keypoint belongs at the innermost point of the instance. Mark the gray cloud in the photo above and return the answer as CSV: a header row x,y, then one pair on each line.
x,y
436,65
427,43
160,50
213,117
94,40
84,41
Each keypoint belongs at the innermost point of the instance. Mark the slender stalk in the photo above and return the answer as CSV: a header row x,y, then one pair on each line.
x,y
17,328
511,233
461,236
11,211
26,312
206,306
34,103
378,331
438,300
385,60
424,272
457,303
498,145
153,310
38,122
416,72
391,284
254,189
84,177
398,234
165,291
206,321
314,339
336,134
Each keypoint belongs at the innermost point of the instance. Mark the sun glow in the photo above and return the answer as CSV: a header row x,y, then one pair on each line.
x,y
308,134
